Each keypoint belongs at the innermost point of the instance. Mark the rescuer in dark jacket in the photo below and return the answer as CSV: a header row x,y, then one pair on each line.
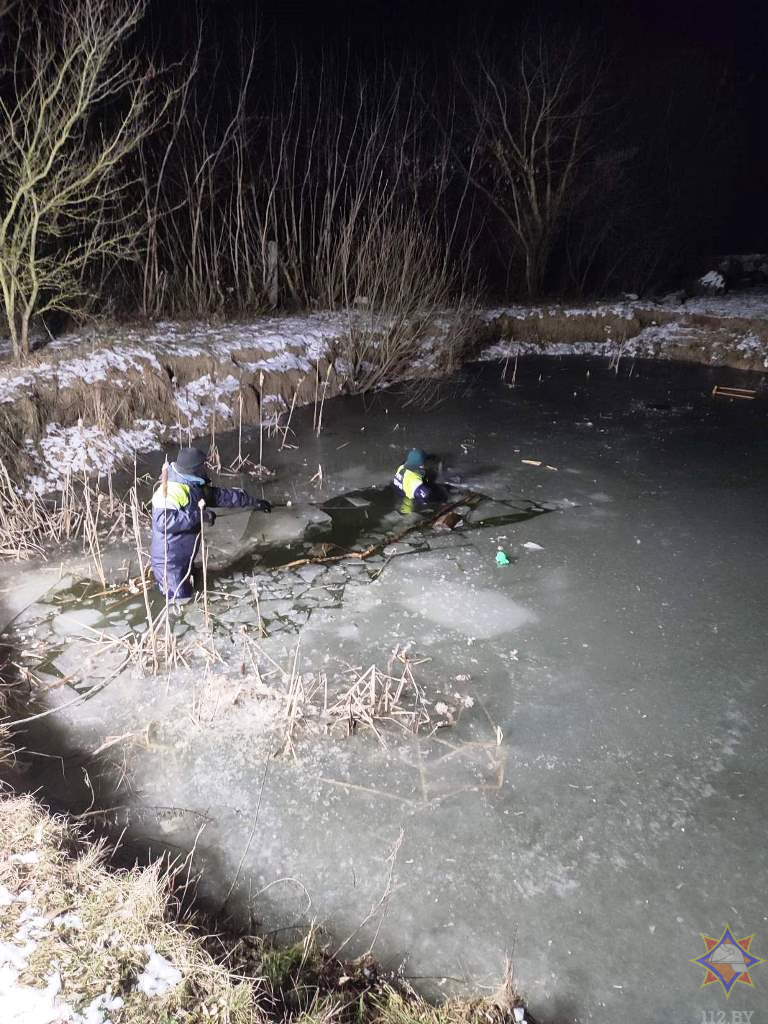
x,y
176,520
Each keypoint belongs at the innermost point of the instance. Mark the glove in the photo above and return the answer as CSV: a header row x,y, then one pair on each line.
x,y
209,517
263,506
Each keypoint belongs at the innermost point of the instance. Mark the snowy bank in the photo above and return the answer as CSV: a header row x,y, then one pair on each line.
x,y
726,330
90,401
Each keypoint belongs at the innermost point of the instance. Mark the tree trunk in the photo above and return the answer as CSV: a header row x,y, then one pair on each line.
x,y
272,276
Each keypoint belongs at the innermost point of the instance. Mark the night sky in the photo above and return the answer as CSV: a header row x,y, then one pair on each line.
x,y
638,38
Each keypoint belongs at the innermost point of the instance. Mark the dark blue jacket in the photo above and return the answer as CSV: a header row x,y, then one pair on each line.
x,y
176,527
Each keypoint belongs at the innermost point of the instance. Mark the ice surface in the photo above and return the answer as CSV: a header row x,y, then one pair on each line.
x,y
478,612
616,689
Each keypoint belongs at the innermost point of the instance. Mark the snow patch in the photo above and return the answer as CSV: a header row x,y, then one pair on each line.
x,y
200,400
713,280
65,452
97,1010
159,975
32,857
24,1004
286,362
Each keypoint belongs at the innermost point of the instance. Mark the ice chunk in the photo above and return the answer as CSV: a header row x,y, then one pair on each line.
x,y
310,572
269,608
77,621
531,545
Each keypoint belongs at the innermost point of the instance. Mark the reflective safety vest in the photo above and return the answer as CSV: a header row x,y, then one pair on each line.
x,y
408,481
176,496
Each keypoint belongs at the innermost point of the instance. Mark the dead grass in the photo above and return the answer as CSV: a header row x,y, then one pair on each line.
x,y
83,931
93,927
82,510
342,703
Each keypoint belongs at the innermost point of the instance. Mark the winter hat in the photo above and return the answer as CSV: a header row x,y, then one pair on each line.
x,y
191,461
415,459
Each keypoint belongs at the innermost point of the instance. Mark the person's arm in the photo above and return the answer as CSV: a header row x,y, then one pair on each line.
x,y
233,497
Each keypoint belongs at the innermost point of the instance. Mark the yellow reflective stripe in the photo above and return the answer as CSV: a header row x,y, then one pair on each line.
x,y
177,496
411,481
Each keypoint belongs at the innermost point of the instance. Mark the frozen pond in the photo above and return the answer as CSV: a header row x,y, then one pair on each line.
x,y
586,791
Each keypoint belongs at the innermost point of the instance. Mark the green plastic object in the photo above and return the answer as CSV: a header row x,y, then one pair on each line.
x,y
502,558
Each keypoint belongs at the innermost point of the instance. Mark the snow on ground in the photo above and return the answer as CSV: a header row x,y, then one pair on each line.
x,y
752,305
625,310
22,1003
287,343
200,400
647,343
748,304
284,345
72,451
159,976
102,365
651,342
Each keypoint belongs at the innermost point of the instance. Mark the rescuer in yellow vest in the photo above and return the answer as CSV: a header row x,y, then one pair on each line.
x,y
416,481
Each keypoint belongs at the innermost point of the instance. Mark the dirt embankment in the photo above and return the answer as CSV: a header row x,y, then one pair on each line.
x,y
648,332
127,394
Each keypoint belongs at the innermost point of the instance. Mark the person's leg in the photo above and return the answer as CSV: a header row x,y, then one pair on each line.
x,y
178,587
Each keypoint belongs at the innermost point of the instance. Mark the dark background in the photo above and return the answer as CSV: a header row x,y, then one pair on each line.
x,y
654,49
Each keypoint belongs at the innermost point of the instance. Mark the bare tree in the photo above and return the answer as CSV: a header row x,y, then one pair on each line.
x,y
73,107
529,134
